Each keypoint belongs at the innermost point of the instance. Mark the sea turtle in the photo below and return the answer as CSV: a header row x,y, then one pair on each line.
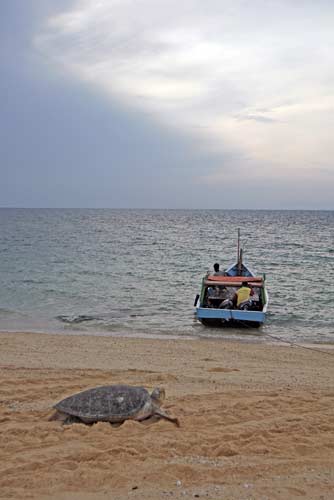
x,y
111,403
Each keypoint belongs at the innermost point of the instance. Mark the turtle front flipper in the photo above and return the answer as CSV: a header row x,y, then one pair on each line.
x,y
160,413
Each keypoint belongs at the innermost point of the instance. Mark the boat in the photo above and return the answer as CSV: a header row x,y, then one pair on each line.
x,y
216,304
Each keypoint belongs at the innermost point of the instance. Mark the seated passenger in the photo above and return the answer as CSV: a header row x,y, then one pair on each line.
x,y
215,295
243,295
217,272
227,302
209,294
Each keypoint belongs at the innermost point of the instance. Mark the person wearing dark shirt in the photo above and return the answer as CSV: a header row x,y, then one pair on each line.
x,y
217,272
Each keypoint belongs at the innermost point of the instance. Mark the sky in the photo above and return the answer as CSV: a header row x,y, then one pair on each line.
x,y
167,104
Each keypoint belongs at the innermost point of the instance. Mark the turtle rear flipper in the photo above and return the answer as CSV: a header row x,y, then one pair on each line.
x,y
58,415
71,419
64,418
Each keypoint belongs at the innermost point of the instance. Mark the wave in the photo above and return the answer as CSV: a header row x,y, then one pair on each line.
x,y
7,312
81,318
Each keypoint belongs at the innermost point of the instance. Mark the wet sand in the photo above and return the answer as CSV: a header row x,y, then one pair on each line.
x,y
257,421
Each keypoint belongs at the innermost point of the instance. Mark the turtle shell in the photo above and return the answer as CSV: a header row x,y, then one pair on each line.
x,y
112,403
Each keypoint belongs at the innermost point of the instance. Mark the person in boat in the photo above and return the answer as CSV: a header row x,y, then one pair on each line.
x,y
216,270
243,296
209,293
214,295
227,302
219,297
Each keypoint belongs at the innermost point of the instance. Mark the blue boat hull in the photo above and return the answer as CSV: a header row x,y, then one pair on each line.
x,y
214,317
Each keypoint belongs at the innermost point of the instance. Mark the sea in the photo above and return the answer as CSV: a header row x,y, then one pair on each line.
x,y
135,273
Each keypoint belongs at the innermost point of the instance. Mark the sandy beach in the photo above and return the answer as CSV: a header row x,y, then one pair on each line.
x,y
257,421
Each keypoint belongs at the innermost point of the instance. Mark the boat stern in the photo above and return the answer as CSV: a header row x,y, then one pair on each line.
x,y
229,315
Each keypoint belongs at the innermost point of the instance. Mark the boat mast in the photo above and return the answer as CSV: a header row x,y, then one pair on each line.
x,y
238,246
239,255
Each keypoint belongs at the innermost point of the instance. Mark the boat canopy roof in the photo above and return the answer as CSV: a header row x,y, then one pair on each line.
x,y
233,280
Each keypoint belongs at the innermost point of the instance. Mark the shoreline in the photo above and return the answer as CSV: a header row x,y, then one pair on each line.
x,y
259,339
257,420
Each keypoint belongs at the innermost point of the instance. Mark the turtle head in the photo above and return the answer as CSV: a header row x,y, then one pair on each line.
x,y
158,395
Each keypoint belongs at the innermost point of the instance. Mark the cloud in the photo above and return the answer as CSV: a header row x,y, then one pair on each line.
x,y
194,66
190,98
256,117
249,84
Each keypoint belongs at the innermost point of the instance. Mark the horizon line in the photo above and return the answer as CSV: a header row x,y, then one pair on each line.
x,y
170,208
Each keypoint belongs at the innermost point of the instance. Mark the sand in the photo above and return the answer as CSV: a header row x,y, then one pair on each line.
x,y
257,420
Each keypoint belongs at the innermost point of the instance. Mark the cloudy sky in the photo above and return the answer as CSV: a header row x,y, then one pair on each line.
x,y
167,104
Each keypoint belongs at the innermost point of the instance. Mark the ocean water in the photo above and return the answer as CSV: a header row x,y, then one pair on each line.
x,y
136,272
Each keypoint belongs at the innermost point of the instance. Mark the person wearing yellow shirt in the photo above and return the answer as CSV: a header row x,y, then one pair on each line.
x,y
243,295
